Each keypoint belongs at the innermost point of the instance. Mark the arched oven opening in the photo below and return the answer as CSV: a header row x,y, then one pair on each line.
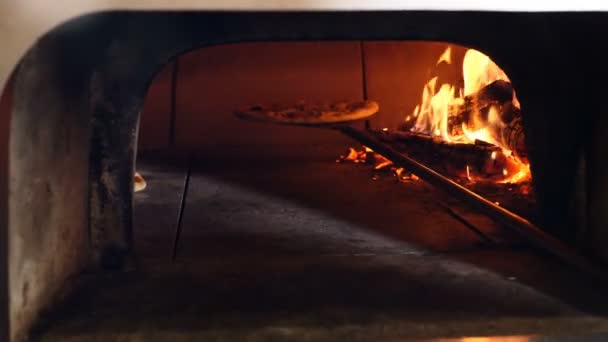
x,y
464,123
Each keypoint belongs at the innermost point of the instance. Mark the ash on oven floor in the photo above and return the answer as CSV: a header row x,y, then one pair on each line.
x,y
300,247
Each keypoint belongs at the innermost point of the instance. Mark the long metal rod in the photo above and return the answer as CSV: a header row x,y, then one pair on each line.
x,y
180,214
466,223
521,226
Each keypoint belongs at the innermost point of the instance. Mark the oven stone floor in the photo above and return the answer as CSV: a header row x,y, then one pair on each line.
x,y
291,245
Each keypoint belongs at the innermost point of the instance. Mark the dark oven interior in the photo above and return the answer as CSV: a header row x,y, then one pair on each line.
x,y
470,204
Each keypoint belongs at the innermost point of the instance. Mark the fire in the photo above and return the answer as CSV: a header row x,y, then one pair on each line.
x,y
446,56
442,103
478,71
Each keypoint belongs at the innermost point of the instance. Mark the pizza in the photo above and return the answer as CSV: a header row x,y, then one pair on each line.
x,y
307,114
138,182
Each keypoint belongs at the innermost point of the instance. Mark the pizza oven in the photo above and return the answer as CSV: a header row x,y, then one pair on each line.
x,y
470,203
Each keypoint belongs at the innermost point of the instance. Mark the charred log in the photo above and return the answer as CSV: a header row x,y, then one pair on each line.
x,y
460,160
507,127
509,131
497,91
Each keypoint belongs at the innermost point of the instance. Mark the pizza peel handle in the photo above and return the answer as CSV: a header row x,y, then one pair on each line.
x,y
310,115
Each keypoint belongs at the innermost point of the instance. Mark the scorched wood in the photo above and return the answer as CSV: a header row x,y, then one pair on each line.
x,y
452,159
474,113
509,130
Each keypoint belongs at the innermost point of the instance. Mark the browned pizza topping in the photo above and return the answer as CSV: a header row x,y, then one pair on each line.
x,y
303,113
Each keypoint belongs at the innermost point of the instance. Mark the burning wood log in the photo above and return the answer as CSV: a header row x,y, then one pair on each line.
x,y
513,136
497,91
509,131
473,161
491,107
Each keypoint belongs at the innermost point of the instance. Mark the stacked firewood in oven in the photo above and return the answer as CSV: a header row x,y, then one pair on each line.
x,y
492,107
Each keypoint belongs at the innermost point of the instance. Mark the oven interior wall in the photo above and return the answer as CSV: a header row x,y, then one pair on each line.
x,y
211,82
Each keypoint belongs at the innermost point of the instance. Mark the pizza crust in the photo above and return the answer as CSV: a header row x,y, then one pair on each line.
x,y
304,114
138,182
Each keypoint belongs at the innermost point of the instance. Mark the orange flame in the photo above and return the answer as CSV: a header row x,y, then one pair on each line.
x,y
440,102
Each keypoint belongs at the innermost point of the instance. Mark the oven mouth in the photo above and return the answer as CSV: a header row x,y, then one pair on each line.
x,y
467,125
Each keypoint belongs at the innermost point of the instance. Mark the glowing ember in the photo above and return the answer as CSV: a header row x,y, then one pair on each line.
x,y
381,163
443,102
352,154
